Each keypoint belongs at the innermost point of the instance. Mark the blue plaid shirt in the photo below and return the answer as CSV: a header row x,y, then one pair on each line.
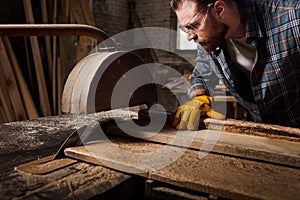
x,y
272,92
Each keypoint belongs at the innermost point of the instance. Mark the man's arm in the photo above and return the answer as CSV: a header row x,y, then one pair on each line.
x,y
203,79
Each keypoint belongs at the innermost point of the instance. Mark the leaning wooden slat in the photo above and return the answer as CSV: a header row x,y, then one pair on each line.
x,y
3,117
47,38
4,97
88,15
78,12
42,88
59,86
54,61
26,96
12,86
87,12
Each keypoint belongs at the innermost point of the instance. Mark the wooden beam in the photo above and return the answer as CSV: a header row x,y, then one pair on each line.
x,y
54,62
42,87
5,101
78,12
47,38
87,12
11,84
26,96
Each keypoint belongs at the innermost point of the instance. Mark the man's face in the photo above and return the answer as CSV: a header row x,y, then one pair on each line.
x,y
209,32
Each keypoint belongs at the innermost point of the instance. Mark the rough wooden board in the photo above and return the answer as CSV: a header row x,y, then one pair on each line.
x,y
77,11
42,87
224,176
88,13
26,95
231,178
8,112
11,84
251,128
24,141
248,146
45,165
78,181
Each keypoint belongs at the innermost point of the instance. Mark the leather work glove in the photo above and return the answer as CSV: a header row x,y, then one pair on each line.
x,y
188,115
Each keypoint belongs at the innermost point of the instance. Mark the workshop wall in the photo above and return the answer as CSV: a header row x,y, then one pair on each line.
x,y
115,16
60,54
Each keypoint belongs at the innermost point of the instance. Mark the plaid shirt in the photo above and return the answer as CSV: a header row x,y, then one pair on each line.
x,y
272,92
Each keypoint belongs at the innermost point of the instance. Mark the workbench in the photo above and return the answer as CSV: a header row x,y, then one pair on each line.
x,y
253,166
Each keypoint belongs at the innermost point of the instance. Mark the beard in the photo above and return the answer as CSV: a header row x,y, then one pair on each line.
x,y
216,35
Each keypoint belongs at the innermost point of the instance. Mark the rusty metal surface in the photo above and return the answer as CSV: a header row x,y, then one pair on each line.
x,y
55,30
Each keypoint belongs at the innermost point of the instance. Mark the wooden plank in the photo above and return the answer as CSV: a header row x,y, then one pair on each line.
x,y
30,71
11,86
26,96
247,146
53,78
223,176
54,62
5,101
78,181
252,128
45,165
3,117
42,88
59,86
24,141
47,38
78,12
87,12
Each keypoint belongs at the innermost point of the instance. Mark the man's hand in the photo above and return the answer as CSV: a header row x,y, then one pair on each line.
x,y
188,115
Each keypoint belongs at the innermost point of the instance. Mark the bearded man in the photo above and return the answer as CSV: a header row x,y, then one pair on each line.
x,y
253,47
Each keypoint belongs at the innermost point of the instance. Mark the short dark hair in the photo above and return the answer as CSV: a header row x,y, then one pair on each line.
x,y
201,3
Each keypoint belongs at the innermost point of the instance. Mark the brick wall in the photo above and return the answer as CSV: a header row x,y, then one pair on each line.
x,y
113,16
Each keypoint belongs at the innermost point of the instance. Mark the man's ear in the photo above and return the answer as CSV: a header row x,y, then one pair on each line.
x,y
219,8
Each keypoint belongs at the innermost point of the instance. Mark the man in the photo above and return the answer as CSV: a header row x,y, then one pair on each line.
x,y
253,47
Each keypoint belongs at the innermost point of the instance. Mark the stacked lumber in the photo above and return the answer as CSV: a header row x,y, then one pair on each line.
x,y
33,88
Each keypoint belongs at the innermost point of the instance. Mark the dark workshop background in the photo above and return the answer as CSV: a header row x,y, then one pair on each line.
x,y
31,89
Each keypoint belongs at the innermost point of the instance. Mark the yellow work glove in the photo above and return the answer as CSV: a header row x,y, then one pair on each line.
x,y
188,115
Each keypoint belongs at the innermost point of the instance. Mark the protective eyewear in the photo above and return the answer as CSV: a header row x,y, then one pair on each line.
x,y
193,24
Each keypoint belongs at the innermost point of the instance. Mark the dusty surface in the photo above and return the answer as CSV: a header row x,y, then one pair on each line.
x,y
24,141
225,172
220,175
257,129
244,145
